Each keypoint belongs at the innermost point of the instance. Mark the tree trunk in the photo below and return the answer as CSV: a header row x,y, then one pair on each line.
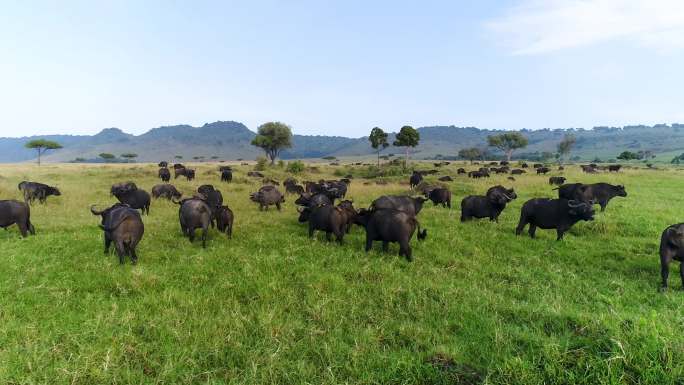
x,y
39,157
407,157
509,153
378,159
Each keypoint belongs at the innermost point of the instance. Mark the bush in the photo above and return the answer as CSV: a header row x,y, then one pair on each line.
x,y
261,164
295,167
281,164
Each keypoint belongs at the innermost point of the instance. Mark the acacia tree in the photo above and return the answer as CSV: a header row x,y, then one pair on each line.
x,y
42,145
507,142
471,153
378,139
273,137
129,156
107,156
565,146
407,137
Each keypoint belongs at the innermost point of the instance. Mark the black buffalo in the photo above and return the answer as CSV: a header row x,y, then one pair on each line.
x,y
163,164
128,193
205,189
672,248
266,196
439,195
193,214
224,220
389,225
226,176
446,178
556,180
415,179
35,190
328,218
188,173
167,191
517,171
461,171
488,206
123,226
559,214
164,174
542,170
407,204
15,212
600,193
614,167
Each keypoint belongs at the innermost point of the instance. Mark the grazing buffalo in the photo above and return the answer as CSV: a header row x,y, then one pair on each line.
x,y
446,178
600,193
614,167
590,169
194,213
517,171
167,191
128,193
478,174
163,164
123,226
226,176
415,179
11,212
164,174
294,189
503,163
561,168
177,166
556,180
488,206
543,170
188,173
439,195
35,190
205,189
461,171
329,219
559,214
312,200
409,205
224,220
266,196
389,225
511,178
524,165
537,165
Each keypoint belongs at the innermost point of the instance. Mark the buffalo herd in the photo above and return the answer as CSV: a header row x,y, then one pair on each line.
x,y
388,219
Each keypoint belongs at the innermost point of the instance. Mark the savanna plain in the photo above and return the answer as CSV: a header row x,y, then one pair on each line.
x,y
270,306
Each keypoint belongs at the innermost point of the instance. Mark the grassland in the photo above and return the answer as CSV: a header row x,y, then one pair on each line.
x,y
478,304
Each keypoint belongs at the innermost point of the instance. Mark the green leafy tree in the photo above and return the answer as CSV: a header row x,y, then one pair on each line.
x,y
471,153
129,156
378,139
42,145
178,157
545,156
507,142
107,156
628,155
407,137
565,146
273,137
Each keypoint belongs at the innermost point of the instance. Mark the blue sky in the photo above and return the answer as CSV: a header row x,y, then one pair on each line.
x,y
339,67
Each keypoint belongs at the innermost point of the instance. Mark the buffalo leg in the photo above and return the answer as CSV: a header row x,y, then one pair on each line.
x,y
120,251
328,236
681,273
603,205
385,246
665,271
23,229
559,234
532,230
369,243
191,235
448,203
134,256
405,249
278,206
521,226
108,242
311,230
204,236
32,229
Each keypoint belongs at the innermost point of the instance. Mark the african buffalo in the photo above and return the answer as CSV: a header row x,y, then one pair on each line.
x,y
205,189
488,206
439,195
226,176
556,180
415,179
524,165
188,173
672,247
266,196
600,193
461,171
35,190
446,178
614,167
167,191
224,220
164,174
11,212
517,171
407,204
123,226
559,214
128,193
194,213
294,189
327,218
163,164
389,225
543,170
311,200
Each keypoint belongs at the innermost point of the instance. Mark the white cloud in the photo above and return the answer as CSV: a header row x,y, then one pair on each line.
x,y
540,26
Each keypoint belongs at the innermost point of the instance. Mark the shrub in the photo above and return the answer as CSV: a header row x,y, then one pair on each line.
x,y
261,164
295,167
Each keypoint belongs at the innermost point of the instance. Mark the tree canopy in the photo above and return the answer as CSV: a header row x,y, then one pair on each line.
x,y
42,145
129,155
565,145
378,140
507,142
471,153
107,156
407,137
272,137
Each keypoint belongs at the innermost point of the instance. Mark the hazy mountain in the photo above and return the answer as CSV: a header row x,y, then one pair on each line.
x,y
231,140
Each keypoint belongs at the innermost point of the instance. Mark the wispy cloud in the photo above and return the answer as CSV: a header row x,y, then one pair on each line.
x,y
540,26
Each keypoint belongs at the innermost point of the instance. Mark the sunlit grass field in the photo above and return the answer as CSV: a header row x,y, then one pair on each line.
x,y
271,306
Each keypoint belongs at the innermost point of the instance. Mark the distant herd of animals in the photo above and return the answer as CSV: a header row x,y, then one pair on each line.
x,y
388,219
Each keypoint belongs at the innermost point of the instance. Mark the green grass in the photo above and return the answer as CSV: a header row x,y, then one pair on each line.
x,y
478,304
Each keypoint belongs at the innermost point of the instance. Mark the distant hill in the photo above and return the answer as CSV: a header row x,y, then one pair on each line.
x,y
231,140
